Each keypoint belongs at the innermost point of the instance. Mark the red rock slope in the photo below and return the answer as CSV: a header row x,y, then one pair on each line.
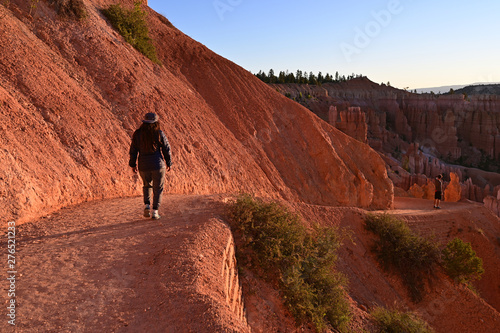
x,y
446,306
71,94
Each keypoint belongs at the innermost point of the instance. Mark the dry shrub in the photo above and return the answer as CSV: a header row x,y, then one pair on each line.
x,y
461,262
74,9
415,258
392,321
303,260
132,25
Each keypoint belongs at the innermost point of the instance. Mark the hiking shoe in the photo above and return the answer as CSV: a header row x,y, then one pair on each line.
x,y
155,215
146,211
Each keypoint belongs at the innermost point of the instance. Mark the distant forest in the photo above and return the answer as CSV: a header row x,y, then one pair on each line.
x,y
303,77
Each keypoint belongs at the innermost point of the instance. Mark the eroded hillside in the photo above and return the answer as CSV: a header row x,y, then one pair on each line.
x,y
72,92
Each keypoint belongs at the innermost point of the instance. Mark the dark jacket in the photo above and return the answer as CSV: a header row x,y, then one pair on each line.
x,y
439,184
151,160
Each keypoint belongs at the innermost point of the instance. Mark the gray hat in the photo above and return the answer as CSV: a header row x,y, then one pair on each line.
x,y
150,118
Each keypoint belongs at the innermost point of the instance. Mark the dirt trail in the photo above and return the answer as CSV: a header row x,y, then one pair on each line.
x,y
101,267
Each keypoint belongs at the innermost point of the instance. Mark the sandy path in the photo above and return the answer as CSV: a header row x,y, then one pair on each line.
x,y
102,267
423,207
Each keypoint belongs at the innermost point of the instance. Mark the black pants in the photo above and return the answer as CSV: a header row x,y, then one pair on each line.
x,y
153,185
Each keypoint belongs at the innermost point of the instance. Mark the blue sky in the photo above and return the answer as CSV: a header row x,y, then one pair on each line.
x,y
409,43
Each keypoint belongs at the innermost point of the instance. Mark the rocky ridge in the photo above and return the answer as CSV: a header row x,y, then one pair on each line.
x,y
481,89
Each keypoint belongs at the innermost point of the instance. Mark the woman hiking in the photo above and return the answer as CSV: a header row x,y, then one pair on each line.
x,y
152,146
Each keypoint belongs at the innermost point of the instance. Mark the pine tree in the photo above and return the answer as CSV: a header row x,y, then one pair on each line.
x,y
281,78
264,78
320,78
312,79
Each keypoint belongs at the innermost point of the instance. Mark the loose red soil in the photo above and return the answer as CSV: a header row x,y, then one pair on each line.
x,y
102,266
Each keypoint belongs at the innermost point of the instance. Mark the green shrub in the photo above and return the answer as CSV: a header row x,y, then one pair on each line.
x,y
303,260
388,321
132,25
398,248
70,8
460,261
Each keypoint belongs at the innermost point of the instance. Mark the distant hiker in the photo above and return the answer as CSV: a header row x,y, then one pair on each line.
x,y
152,146
438,182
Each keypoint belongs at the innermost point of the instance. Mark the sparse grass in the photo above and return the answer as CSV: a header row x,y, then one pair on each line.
x,y
74,9
413,257
33,6
388,321
132,25
303,261
461,263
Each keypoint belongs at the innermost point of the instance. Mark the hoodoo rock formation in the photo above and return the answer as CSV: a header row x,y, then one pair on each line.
x,y
71,94
419,130
453,191
448,124
352,122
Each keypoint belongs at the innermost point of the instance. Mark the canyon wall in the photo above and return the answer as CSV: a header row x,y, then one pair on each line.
x,y
419,131
445,124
